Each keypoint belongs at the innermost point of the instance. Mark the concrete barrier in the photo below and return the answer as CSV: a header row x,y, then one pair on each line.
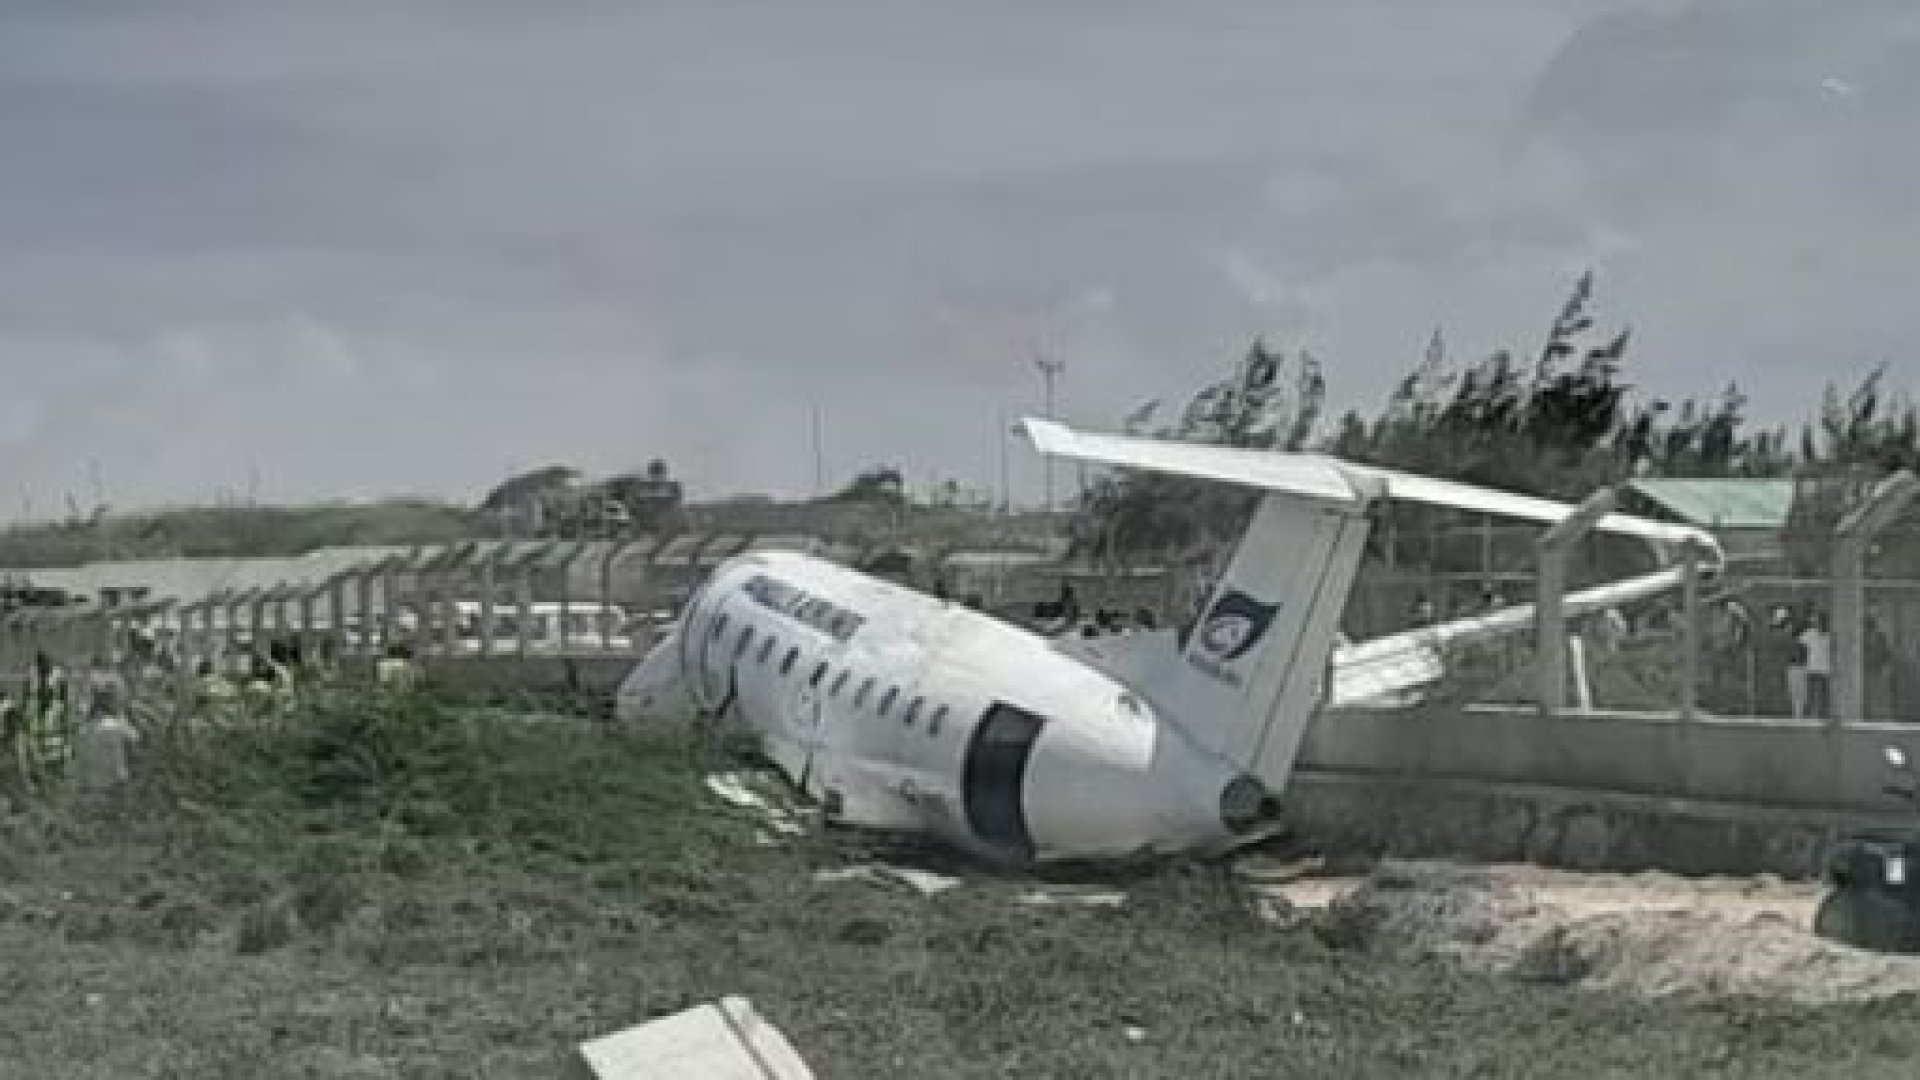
x,y
1601,791
1581,830
1776,763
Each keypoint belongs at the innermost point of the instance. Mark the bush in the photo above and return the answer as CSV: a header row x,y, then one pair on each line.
x,y
358,782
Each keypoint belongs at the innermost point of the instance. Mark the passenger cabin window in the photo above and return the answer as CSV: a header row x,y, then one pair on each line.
x,y
719,626
746,639
939,716
913,712
786,665
887,699
767,647
819,672
860,698
839,681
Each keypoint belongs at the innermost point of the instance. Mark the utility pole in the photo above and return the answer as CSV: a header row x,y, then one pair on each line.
x,y
819,457
1006,472
105,548
1050,370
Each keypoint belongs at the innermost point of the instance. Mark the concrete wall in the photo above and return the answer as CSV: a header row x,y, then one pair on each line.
x,y
1617,792
1578,829
1776,763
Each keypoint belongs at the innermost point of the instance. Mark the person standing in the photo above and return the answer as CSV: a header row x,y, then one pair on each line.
x,y
395,672
100,749
1790,630
215,698
12,730
1816,643
46,744
1422,613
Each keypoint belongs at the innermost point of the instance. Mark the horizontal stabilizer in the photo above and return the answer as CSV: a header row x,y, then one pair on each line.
x,y
1321,476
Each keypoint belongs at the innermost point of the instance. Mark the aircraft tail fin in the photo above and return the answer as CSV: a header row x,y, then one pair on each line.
x,y
1252,666
1244,679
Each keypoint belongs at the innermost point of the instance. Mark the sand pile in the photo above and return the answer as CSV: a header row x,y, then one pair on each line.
x,y
1648,935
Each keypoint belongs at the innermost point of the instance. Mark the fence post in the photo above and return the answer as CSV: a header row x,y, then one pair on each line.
x,y
1550,622
208,644
389,575
336,587
1689,631
1853,537
523,592
606,592
566,592
488,585
237,608
447,575
363,643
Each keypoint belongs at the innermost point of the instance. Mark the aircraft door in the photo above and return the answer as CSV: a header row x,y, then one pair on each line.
x,y
698,647
995,776
810,731
712,675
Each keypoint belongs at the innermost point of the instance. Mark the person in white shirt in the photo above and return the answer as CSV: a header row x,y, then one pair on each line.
x,y
1817,641
100,747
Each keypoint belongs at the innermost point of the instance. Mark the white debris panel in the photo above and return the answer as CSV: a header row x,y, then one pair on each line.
x,y
723,1040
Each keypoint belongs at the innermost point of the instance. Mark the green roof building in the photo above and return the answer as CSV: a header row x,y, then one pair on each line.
x,y
1747,516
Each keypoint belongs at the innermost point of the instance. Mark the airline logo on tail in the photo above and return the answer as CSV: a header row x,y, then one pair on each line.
x,y
1230,630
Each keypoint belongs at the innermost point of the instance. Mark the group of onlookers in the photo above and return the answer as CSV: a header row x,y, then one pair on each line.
x,y
60,732
1064,617
53,732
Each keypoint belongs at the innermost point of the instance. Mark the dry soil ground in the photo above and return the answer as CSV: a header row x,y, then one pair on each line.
x,y
531,896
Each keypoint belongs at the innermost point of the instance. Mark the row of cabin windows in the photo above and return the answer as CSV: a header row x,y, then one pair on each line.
x,y
887,700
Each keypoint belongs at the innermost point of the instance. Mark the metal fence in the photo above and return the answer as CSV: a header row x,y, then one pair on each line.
x,y
473,599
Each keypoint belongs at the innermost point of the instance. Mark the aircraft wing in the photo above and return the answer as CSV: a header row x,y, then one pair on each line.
x,y
1324,477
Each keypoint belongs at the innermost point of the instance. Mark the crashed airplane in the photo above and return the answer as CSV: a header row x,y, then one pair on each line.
x,y
899,711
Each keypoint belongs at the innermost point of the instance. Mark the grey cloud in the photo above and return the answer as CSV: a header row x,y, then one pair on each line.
x,y
379,246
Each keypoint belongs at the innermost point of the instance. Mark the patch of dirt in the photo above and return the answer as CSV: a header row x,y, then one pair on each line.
x,y
1647,935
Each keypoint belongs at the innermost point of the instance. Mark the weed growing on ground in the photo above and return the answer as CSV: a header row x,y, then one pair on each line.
x,y
412,887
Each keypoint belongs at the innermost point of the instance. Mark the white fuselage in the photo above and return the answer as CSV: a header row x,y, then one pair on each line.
x,y
901,711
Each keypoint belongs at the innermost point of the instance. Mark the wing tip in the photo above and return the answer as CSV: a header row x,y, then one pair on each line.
x,y
1047,436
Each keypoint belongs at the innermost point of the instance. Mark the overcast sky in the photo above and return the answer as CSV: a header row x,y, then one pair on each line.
x,y
365,246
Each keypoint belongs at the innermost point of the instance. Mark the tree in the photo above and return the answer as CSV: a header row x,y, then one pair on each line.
x,y
529,489
881,484
1253,407
1570,425
1857,441
1561,424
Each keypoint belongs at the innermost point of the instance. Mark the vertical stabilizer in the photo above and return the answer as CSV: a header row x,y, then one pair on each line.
x,y
1252,667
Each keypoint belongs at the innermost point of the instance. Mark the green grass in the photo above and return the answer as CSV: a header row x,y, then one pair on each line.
x,y
419,890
